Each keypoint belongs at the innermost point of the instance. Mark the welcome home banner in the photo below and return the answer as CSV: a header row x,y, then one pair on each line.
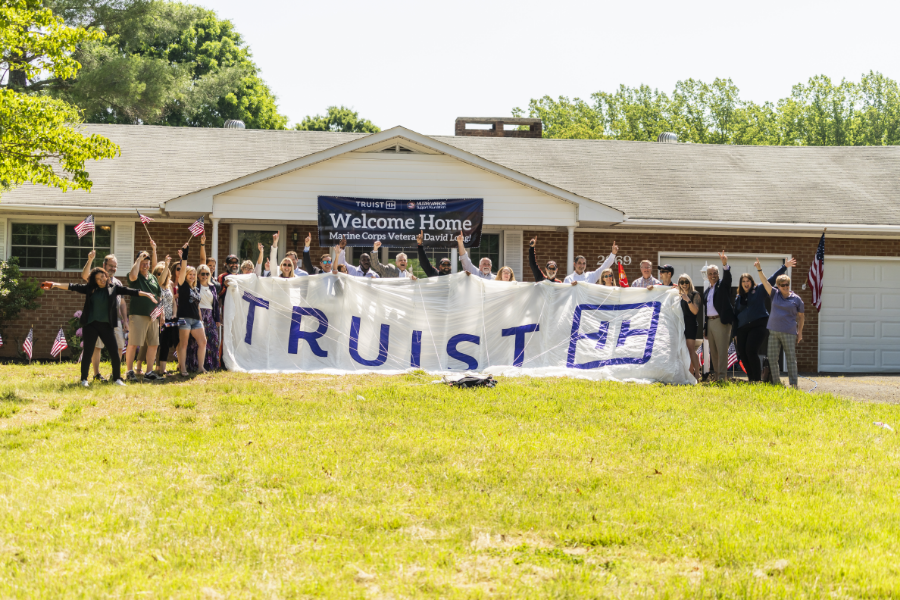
x,y
396,223
337,324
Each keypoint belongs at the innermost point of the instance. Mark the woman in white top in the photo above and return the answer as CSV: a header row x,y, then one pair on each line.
x,y
210,316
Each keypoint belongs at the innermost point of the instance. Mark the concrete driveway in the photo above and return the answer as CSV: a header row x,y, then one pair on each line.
x,y
873,388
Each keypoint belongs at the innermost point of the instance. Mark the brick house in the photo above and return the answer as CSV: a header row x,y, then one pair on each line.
x,y
667,202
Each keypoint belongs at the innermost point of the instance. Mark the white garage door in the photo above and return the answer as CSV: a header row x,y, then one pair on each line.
x,y
859,325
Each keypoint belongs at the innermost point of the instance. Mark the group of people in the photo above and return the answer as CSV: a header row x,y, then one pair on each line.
x,y
766,312
177,308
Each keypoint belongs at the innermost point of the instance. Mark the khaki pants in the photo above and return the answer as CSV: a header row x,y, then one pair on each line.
x,y
719,336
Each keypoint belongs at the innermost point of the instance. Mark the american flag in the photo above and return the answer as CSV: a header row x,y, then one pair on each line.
x,y
1,341
157,312
59,344
85,226
197,228
732,355
144,218
623,279
816,271
27,346
700,353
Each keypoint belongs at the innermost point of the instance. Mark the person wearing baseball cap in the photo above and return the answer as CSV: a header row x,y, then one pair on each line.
x,y
666,272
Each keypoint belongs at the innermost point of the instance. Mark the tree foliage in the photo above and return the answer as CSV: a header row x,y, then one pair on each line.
x,y
165,63
16,293
38,139
818,113
338,118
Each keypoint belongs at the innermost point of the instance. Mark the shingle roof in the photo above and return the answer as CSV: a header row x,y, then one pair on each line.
x,y
851,185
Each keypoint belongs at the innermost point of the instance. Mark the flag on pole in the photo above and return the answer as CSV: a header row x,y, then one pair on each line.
x,y
85,227
144,218
157,312
29,341
816,271
197,228
732,355
59,345
623,280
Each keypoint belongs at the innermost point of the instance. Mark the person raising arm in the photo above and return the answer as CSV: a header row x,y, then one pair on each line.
x,y
785,325
98,315
591,276
484,265
551,266
389,270
365,264
444,266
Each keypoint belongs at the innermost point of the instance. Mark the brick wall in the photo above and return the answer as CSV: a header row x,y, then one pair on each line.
x,y
58,306
640,246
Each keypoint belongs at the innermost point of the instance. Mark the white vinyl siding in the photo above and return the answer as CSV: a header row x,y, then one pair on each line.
x,y
859,324
294,196
512,252
123,245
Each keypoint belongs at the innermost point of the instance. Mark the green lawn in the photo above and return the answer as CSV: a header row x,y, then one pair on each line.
x,y
238,486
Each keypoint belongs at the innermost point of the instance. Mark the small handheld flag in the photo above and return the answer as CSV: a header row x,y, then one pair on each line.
x,y
27,347
85,227
197,228
144,218
816,273
157,312
59,344
732,355
623,279
700,354
1,341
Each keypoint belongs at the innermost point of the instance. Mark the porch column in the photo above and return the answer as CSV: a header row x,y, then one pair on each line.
x,y
214,251
570,255
454,258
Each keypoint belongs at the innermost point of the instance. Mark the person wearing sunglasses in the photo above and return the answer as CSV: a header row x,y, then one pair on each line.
x,y
210,316
607,278
690,308
443,268
190,323
551,269
751,320
785,325
326,263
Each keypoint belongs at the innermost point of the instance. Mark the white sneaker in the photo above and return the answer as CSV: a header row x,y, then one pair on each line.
x,y
85,383
119,382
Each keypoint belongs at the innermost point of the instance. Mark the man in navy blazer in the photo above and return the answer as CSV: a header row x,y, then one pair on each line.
x,y
719,311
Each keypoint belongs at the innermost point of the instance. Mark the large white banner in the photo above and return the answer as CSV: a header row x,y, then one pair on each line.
x,y
340,324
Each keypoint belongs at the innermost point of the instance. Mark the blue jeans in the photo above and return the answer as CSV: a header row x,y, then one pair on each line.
x,y
191,324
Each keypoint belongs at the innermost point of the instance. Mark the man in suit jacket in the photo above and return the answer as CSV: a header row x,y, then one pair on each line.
x,y
719,310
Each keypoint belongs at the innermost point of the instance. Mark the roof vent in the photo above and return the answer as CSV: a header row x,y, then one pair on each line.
x,y
234,124
667,137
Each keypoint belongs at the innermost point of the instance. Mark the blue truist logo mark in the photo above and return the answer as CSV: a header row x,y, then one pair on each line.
x,y
625,332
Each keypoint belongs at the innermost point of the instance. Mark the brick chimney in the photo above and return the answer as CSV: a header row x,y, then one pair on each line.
x,y
535,128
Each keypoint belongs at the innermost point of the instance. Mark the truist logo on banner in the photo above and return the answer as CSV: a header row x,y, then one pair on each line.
x,y
396,223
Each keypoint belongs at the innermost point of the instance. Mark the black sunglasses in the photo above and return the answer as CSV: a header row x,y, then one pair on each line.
x,y
551,268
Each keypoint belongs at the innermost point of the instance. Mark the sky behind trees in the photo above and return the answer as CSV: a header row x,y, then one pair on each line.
x,y
423,64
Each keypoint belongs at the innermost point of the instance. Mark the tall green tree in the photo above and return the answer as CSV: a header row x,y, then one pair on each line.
x,y
39,142
338,118
17,293
820,112
165,63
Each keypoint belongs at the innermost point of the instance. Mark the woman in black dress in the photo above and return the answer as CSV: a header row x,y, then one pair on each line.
x,y
690,307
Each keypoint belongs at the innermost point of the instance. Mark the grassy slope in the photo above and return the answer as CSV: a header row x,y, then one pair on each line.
x,y
293,486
